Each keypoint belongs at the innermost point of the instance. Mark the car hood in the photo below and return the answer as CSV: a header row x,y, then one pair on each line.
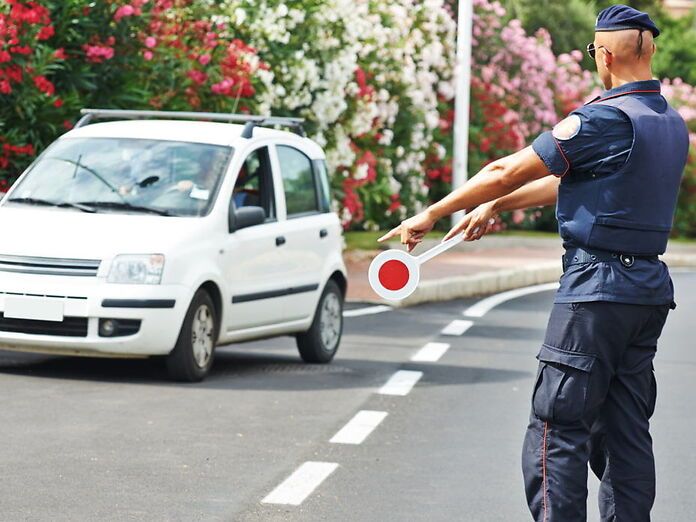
x,y
52,232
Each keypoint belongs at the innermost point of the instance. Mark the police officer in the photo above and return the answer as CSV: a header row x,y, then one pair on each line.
x,y
613,168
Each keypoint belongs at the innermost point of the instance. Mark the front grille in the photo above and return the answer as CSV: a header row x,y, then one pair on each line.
x,y
68,327
49,265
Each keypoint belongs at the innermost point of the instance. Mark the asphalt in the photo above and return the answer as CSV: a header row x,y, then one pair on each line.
x,y
87,439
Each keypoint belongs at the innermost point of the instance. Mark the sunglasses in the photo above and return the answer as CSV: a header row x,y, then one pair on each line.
x,y
591,49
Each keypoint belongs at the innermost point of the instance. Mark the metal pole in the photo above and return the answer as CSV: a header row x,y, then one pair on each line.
x,y
462,73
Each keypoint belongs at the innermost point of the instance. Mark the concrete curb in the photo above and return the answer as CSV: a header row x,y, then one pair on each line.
x,y
449,288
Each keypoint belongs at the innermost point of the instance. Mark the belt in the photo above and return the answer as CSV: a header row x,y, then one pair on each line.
x,y
577,256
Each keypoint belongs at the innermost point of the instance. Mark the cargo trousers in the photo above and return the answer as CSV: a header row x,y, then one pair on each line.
x,y
594,394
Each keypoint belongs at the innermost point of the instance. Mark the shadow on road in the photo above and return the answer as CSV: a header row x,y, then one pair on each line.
x,y
246,370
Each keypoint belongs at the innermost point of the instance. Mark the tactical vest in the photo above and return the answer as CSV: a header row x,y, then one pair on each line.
x,y
631,210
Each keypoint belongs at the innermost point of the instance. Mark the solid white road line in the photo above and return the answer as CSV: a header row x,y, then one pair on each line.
x,y
485,305
401,383
457,327
298,486
367,311
431,352
359,427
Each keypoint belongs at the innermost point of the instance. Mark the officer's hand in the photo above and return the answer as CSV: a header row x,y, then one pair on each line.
x,y
475,224
184,185
411,230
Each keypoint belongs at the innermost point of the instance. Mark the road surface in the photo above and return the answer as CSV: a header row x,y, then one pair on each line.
x,y
434,439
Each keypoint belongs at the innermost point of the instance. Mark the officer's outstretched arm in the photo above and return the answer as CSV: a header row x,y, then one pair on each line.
x,y
477,223
494,181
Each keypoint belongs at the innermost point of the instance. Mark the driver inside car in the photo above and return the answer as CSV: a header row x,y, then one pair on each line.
x,y
245,192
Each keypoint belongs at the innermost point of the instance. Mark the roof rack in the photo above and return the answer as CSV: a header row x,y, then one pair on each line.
x,y
250,120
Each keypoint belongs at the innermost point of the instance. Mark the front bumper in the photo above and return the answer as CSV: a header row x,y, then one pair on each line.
x,y
159,308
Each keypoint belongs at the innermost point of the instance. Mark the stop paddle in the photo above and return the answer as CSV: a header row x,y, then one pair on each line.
x,y
394,274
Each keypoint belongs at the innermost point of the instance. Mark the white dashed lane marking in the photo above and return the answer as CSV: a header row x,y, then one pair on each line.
x,y
367,311
359,427
485,305
401,383
298,486
431,352
457,327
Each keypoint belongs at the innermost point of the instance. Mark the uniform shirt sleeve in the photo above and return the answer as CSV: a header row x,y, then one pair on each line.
x,y
600,147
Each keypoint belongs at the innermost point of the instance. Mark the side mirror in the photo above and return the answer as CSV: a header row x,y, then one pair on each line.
x,y
245,217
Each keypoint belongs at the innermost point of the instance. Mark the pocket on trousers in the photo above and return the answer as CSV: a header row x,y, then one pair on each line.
x,y
560,393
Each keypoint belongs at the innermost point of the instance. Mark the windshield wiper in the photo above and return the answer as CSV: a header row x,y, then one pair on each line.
x,y
124,205
47,203
90,170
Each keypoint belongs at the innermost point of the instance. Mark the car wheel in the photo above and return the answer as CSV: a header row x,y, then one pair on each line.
x,y
320,343
192,356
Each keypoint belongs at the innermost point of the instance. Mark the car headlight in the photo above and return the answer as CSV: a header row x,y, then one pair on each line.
x,y
137,269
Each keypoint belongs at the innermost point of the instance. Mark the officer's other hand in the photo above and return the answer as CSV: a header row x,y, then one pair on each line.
x,y
412,230
475,224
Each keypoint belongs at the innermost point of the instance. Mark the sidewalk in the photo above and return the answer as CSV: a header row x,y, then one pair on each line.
x,y
492,264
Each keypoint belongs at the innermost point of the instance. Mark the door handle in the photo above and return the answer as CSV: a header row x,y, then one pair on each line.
x,y
323,232
280,240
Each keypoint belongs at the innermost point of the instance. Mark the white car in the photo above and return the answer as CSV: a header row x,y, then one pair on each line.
x,y
148,236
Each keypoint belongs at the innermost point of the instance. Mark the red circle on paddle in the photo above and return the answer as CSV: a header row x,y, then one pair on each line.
x,y
393,275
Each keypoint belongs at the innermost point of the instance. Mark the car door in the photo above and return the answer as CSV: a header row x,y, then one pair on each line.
x,y
256,268
305,228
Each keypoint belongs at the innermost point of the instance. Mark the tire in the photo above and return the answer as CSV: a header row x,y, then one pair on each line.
x,y
192,356
320,343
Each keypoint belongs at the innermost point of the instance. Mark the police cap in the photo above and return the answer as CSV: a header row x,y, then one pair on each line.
x,y
620,17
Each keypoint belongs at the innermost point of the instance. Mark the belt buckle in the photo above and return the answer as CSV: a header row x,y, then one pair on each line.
x,y
626,260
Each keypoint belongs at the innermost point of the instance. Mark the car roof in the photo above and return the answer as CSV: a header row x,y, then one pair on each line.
x,y
213,133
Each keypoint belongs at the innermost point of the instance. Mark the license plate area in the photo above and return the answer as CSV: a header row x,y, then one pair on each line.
x,y
35,308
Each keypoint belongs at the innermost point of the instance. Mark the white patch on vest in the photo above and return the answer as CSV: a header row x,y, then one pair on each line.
x,y
567,128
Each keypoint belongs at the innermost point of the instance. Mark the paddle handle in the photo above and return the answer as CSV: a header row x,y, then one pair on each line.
x,y
439,249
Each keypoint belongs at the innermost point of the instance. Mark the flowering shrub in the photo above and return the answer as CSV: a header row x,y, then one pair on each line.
x,y
371,79
519,88
23,27
191,62
682,96
374,79
138,54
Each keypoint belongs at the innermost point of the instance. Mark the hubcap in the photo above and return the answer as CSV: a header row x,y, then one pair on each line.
x,y
330,321
202,330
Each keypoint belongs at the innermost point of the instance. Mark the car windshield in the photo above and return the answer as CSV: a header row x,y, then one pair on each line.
x,y
125,175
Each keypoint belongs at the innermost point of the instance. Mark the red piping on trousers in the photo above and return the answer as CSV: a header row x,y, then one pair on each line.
x,y
543,469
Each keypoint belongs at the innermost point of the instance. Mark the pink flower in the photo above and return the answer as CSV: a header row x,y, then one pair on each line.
x,y
518,216
150,42
198,77
223,87
123,11
148,55
204,59
98,53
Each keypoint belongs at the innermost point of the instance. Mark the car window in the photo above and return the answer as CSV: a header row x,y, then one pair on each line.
x,y
322,175
254,184
298,181
111,174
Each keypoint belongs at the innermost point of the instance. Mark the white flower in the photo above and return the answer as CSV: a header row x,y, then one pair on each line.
x,y
239,16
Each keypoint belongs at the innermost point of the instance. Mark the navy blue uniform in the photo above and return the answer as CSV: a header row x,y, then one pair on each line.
x,y
621,158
